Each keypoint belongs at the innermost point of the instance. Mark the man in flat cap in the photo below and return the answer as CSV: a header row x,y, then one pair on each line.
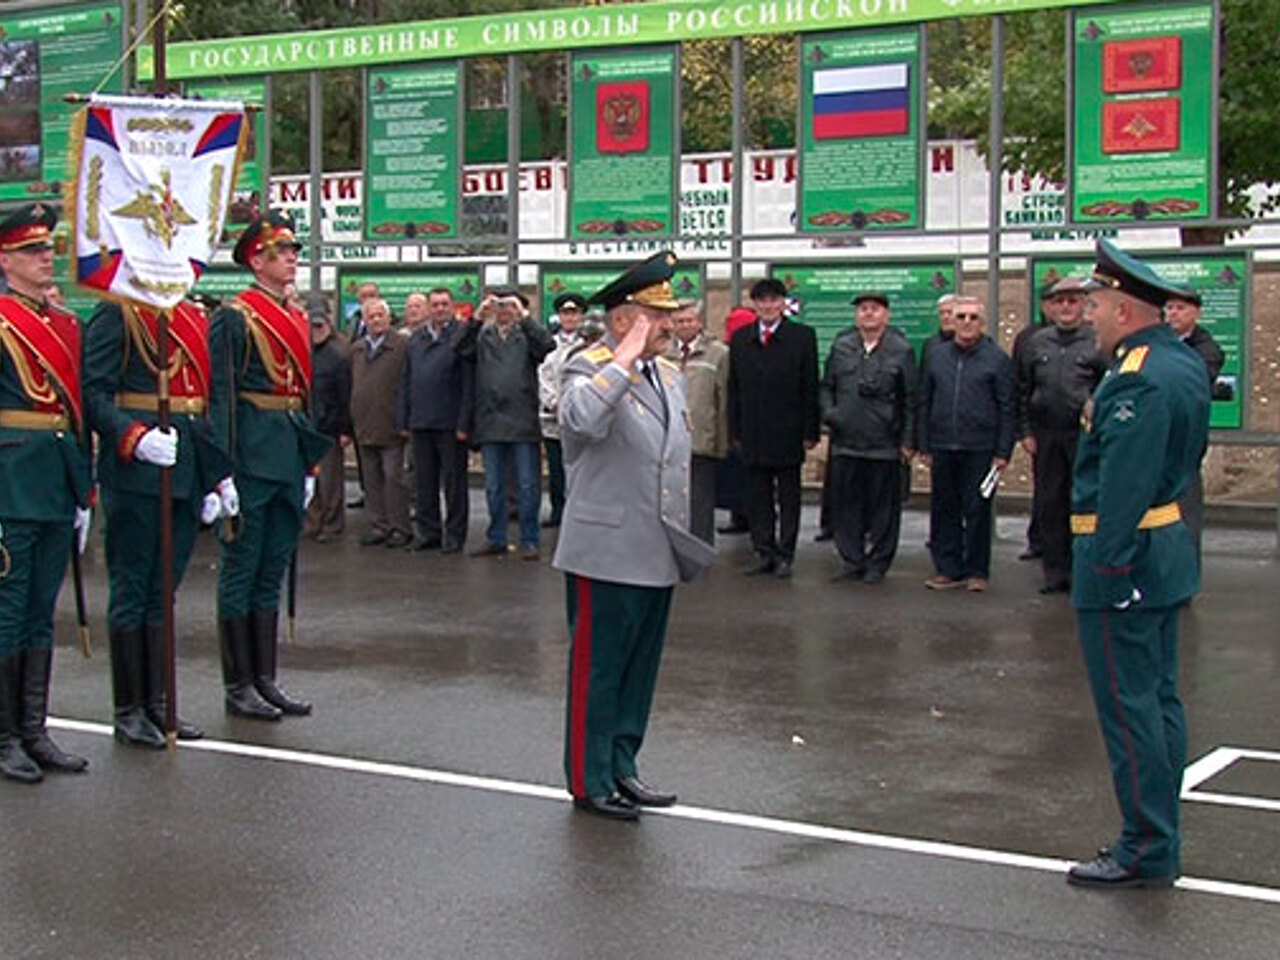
x,y
624,539
1057,369
1134,562
260,349
868,400
569,310
44,487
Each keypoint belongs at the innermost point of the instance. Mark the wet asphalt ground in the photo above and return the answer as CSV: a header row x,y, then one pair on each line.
x,y
864,772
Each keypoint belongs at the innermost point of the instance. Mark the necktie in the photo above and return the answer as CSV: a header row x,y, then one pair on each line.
x,y
766,335
651,374
684,354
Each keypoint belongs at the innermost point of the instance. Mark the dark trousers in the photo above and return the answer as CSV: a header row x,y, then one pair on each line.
x,y
774,531
440,464
1191,503
133,555
827,512
252,564
1132,659
555,477
702,497
388,501
616,634
38,554
328,511
866,508
1054,463
959,517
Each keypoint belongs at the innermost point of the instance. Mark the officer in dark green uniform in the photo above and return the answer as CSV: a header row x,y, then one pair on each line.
x,y
44,487
1134,561
120,383
261,357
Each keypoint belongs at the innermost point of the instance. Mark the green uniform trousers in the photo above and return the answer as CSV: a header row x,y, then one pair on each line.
x,y
253,564
1132,659
38,554
616,634
133,554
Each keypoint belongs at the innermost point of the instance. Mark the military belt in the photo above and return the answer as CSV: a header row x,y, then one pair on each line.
x,y
271,401
34,420
1165,515
150,402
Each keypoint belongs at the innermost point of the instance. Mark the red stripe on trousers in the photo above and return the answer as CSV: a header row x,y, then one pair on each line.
x,y
579,688
1114,679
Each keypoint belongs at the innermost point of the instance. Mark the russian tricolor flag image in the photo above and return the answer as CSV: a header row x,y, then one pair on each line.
x,y
870,101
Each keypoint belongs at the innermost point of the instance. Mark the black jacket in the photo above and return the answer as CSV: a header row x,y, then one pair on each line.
x,y
868,400
331,386
506,379
436,390
1201,341
967,399
1057,370
773,394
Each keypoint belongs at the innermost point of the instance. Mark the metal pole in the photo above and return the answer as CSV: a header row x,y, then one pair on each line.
x,y
513,169
316,184
738,183
995,160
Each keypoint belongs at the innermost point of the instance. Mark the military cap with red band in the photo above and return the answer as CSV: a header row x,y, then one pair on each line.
x,y
270,232
29,227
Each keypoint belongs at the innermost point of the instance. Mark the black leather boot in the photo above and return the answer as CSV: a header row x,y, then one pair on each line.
x,y
14,762
262,625
129,718
36,666
157,699
242,699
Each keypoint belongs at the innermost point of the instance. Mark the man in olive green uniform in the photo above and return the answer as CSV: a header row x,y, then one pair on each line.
x,y
44,488
120,384
1134,560
260,350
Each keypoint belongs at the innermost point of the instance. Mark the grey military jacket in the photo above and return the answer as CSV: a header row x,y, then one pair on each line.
x,y
626,456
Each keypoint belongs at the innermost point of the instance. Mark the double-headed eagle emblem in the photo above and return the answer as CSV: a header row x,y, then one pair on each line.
x,y
161,213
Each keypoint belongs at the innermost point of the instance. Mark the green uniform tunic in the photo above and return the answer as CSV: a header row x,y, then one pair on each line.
x,y
1134,566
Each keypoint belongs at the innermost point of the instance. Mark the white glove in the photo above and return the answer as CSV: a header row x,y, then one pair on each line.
x,y
308,491
82,528
158,446
229,497
1135,597
210,508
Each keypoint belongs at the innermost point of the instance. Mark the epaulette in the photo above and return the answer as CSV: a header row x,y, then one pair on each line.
x,y
668,362
1134,359
598,355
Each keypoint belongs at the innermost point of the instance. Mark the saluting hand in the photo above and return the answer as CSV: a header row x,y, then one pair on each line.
x,y
632,345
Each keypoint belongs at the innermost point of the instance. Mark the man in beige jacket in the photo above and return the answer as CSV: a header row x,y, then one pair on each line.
x,y
705,364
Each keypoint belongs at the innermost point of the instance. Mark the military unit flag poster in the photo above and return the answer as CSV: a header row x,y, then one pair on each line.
x,y
1142,65
869,101
1141,126
622,117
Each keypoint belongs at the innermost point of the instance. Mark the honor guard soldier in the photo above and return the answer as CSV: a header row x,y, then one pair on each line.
x,y
624,539
1144,432
122,369
260,350
44,487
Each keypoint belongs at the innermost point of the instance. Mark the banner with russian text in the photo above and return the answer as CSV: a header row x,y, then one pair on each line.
x,y
153,179
624,152
861,134
395,283
555,279
1142,91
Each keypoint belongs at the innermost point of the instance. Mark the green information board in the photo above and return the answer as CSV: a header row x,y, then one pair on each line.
x,y
223,283
861,157
625,143
397,282
1143,87
46,54
251,184
413,152
1223,281
688,283
825,291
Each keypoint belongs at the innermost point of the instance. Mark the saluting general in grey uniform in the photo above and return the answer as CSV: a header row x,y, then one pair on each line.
x,y
624,538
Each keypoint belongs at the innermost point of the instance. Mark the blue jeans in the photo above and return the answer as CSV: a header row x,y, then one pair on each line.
x,y
497,459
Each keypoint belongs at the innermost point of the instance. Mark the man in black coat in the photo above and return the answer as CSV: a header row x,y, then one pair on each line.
x,y
773,419
331,408
435,406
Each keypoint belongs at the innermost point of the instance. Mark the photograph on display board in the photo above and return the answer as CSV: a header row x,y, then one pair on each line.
x,y
19,110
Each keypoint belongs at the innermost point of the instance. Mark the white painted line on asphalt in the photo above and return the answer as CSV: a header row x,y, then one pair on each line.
x,y
1234,800
1214,763
745,821
1207,767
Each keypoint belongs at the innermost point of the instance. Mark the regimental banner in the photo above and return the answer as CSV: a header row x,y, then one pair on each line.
x,y
688,282
825,292
861,131
1141,133
396,282
46,54
1223,279
251,185
413,152
153,179
624,154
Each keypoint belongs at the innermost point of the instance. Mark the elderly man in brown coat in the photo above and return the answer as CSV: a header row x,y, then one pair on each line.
x,y
377,367
705,364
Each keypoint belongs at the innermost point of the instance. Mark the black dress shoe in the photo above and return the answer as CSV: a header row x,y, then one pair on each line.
x,y
783,570
356,504
1106,873
642,795
611,807
822,536
396,540
731,528
551,524
451,547
424,543
1031,553
849,573
873,578
490,550
1056,588
372,539
763,567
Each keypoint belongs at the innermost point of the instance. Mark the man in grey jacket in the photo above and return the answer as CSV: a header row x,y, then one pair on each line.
x,y
624,541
